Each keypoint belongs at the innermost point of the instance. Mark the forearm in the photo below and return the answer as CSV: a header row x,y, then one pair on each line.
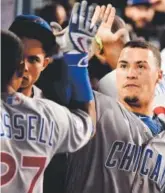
x,y
88,107
81,90
75,43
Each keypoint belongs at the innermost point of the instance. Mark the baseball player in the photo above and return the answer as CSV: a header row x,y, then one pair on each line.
x,y
39,44
33,130
117,159
108,84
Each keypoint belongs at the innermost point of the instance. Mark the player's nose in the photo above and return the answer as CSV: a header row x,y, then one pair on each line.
x,y
26,66
132,73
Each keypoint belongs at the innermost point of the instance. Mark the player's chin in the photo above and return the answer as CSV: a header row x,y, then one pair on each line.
x,y
132,94
25,84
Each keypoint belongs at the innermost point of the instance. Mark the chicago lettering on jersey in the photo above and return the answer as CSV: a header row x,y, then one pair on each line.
x,y
130,157
30,127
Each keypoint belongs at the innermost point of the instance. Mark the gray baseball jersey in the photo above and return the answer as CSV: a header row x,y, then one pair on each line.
x,y
37,93
152,164
112,161
32,131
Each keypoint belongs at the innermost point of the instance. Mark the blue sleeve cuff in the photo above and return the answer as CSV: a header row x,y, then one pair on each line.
x,y
78,76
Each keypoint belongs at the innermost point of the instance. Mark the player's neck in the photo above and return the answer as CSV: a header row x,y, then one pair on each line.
x,y
144,110
27,91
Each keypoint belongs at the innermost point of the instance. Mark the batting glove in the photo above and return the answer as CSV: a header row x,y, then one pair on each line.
x,y
81,30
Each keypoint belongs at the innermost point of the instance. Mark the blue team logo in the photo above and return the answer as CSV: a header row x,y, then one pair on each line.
x,y
39,20
13,100
83,62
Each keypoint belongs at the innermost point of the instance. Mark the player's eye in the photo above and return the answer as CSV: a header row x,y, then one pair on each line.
x,y
33,59
123,65
140,66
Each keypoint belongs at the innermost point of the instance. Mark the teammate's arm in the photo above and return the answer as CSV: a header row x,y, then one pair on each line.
x,y
75,42
68,131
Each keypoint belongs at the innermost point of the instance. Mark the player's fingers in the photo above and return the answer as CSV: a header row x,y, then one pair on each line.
x,y
111,17
102,11
82,15
55,27
75,10
91,10
83,8
95,28
107,12
61,33
95,18
60,38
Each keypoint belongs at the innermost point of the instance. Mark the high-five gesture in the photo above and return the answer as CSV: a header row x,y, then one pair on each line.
x,y
105,33
83,26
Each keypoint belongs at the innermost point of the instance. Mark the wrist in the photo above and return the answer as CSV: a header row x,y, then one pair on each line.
x,y
99,44
78,76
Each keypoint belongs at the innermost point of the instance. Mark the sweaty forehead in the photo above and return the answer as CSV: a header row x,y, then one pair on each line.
x,y
136,54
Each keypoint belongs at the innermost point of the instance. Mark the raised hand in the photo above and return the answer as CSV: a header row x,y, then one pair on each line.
x,y
105,34
83,26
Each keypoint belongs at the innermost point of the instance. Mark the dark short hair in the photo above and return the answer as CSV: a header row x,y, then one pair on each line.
x,y
145,45
11,56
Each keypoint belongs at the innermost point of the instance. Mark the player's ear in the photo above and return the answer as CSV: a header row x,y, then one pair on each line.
x,y
46,62
160,75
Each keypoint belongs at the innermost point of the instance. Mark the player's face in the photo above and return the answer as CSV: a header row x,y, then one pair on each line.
x,y
140,15
137,75
35,61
